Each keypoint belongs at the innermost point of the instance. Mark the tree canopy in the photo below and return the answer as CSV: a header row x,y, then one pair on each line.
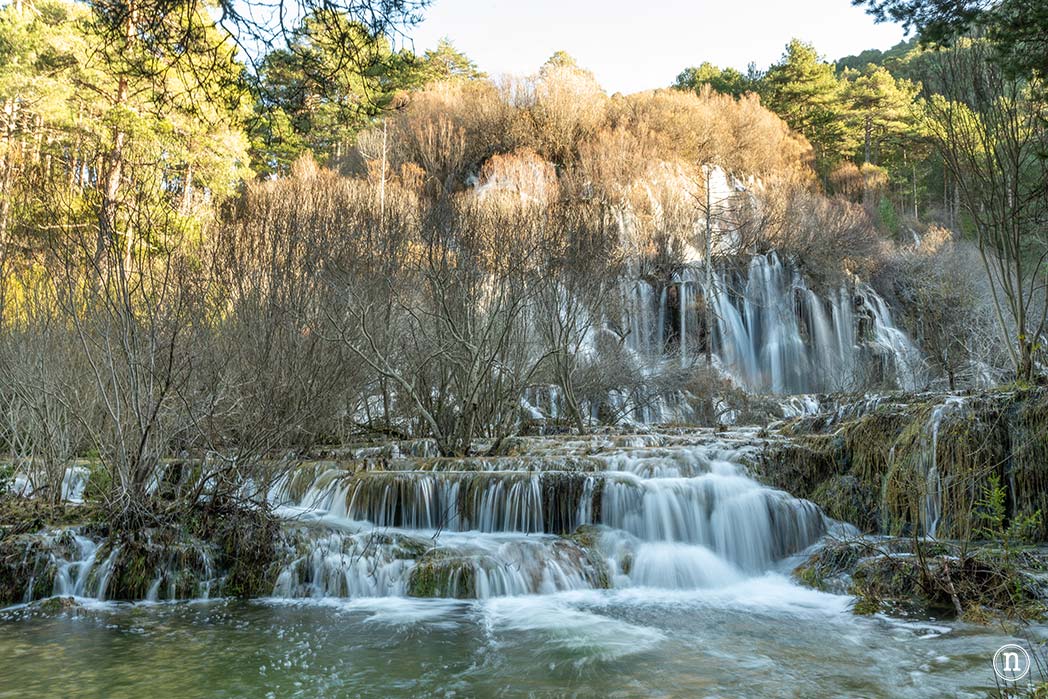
x,y
1017,28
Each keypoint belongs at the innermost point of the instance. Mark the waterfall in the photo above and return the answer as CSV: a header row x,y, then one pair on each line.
x,y
773,333
566,516
650,510
82,574
930,463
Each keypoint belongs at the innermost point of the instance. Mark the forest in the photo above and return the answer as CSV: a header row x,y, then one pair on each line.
x,y
236,244
199,253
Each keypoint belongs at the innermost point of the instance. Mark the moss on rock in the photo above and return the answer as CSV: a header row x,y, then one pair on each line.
x,y
890,469
27,571
443,573
904,577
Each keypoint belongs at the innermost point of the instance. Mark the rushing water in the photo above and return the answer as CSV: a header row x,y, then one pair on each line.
x,y
608,566
764,638
772,333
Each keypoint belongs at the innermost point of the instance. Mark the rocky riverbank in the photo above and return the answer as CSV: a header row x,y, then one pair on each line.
x,y
899,464
662,506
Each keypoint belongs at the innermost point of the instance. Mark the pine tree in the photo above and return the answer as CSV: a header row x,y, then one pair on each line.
x,y
725,80
445,62
882,108
807,94
313,99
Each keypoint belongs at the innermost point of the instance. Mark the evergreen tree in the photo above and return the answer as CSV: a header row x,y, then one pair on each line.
x,y
445,62
725,80
1017,28
83,135
313,99
882,108
807,94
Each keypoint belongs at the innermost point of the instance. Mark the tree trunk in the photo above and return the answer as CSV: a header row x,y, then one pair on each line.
x,y
114,173
708,300
114,164
187,189
6,172
869,129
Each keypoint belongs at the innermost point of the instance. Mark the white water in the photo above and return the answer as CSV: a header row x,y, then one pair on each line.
x,y
932,510
651,510
774,334
82,574
679,516
695,553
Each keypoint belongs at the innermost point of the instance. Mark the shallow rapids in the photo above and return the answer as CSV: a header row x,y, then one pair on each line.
x,y
606,566
763,637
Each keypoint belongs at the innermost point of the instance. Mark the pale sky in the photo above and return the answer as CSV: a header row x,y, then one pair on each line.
x,y
632,46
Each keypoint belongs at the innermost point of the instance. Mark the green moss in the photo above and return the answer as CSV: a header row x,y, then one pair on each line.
x,y
800,464
587,536
848,499
866,606
872,470
826,568
134,567
937,583
587,539
57,605
99,483
1027,468
23,559
245,539
442,573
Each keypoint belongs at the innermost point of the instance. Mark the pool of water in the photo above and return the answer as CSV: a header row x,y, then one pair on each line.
x,y
764,637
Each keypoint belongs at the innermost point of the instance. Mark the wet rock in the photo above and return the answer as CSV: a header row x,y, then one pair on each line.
x,y
443,573
918,463
27,564
58,605
903,577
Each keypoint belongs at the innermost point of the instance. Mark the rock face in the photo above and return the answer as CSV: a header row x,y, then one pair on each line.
x,y
904,577
919,465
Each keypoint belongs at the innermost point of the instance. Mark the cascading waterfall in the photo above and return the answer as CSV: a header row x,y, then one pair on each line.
x,y
929,463
772,333
674,516
654,510
83,574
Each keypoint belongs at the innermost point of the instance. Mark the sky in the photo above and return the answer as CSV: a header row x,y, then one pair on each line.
x,y
633,46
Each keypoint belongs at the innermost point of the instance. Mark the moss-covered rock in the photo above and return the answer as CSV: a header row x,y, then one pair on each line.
x,y
918,463
164,567
904,577
245,548
848,499
27,564
588,539
830,567
58,605
1026,470
444,573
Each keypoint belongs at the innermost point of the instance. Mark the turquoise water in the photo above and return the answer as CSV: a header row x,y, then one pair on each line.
x,y
765,637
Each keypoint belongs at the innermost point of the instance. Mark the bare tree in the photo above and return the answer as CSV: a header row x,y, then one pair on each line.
x,y
990,129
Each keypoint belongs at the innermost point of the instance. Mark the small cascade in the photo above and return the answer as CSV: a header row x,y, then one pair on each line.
x,y
74,483
340,564
69,563
929,463
487,501
83,575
